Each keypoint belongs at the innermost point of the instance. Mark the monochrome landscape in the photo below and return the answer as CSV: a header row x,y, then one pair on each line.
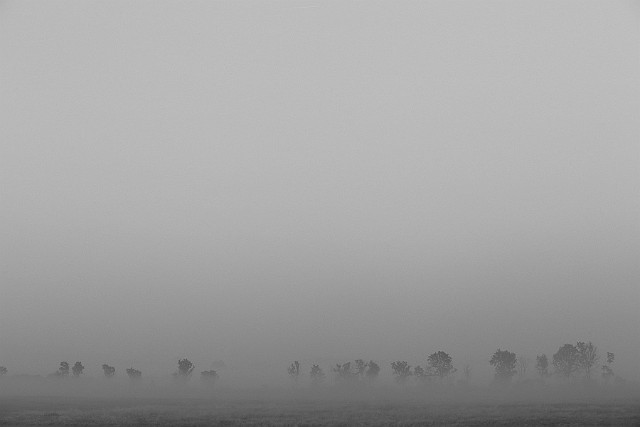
x,y
319,213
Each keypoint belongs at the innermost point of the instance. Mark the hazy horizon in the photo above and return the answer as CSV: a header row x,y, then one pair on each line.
x,y
260,182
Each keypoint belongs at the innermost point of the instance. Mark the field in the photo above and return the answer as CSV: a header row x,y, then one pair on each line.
x,y
305,411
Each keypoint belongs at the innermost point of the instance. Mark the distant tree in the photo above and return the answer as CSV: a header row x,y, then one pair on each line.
x,y
3,370
360,367
343,372
566,360
63,370
504,363
185,368
109,371
401,370
542,365
440,364
294,370
523,367
373,369
587,357
134,374
209,377
317,375
607,370
77,369
420,373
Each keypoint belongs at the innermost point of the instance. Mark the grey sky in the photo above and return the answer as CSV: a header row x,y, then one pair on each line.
x,y
280,180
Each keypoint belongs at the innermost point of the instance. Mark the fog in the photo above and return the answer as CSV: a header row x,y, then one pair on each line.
x,y
263,182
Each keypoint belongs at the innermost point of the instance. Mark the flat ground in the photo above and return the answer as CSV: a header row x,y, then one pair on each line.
x,y
22,411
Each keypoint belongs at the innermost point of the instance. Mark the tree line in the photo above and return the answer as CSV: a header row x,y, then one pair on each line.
x,y
569,362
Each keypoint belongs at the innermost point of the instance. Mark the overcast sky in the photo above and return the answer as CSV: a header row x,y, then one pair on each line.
x,y
269,181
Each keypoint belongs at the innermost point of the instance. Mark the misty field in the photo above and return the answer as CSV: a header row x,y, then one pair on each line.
x,y
260,409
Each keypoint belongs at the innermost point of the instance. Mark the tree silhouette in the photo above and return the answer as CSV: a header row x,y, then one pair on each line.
x,y
587,357
317,375
109,371
294,370
373,369
77,369
361,366
134,374
185,368
566,360
401,370
343,372
542,365
420,373
440,364
63,370
3,370
607,370
504,363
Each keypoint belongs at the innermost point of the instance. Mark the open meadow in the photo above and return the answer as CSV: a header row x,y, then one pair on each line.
x,y
329,406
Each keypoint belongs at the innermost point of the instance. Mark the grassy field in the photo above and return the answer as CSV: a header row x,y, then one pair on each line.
x,y
22,411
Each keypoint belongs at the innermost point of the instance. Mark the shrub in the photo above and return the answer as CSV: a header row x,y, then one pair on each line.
x,y
109,371
134,374
209,377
